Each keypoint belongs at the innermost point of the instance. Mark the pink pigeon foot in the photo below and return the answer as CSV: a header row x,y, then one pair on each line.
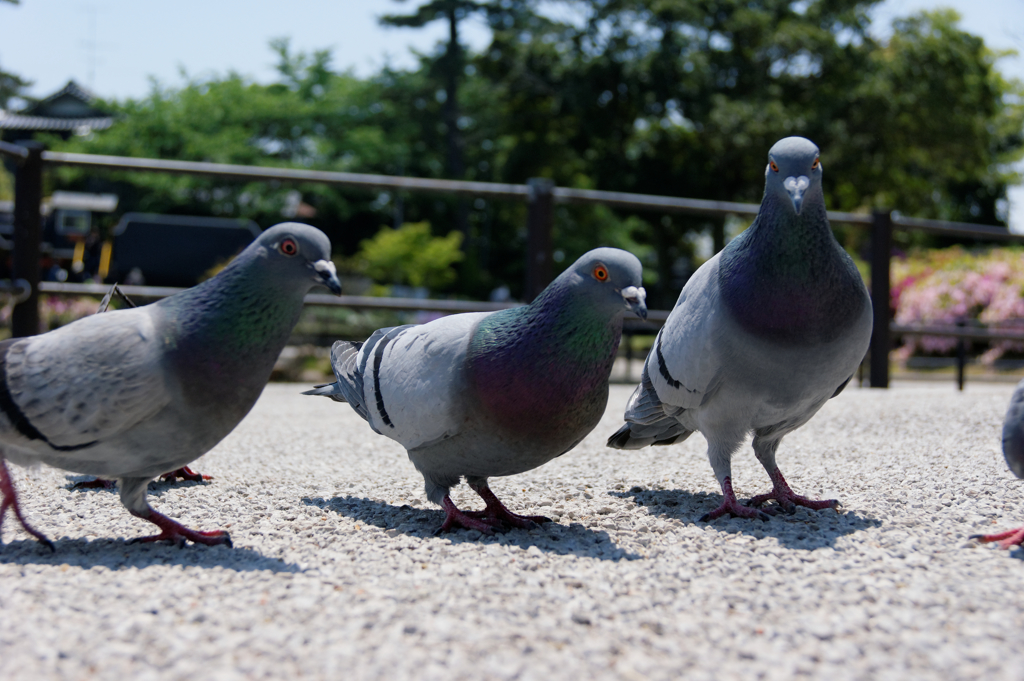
x,y
787,499
495,512
731,506
185,473
10,501
178,533
1005,539
455,518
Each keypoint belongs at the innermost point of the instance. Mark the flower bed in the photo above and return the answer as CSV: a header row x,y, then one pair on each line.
x,y
948,286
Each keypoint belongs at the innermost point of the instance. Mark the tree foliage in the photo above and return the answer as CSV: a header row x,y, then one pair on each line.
x,y
647,96
409,255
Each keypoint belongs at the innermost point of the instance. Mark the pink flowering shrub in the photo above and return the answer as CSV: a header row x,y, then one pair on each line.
x,y
943,287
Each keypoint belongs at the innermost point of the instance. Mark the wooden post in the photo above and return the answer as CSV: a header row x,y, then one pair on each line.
x,y
881,342
28,227
539,222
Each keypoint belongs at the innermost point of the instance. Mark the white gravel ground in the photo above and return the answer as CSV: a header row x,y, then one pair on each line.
x,y
335,573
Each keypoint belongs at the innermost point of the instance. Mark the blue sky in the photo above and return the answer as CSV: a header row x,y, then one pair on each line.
x,y
114,47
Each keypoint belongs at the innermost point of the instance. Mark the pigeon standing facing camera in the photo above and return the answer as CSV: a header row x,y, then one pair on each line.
x,y
1013,450
762,335
491,394
134,393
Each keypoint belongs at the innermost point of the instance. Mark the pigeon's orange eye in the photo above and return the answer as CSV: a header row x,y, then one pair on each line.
x,y
601,273
289,247
773,166
814,166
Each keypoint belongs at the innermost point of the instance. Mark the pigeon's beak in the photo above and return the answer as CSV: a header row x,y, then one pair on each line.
x,y
327,274
796,186
636,300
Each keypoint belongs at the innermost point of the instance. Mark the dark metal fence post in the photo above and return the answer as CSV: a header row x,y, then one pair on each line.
x,y
28,195
961,357
539,222
881,342
718,233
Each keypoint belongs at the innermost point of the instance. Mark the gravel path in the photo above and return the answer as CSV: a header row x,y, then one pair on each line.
x,y
335,573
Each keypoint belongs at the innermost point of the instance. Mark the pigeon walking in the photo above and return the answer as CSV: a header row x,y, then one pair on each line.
x,y
1013,450
492,394
185,473
762,335
138,392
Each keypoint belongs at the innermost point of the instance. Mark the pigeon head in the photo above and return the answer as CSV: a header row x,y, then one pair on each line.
x,y
793,172
611,277
297,251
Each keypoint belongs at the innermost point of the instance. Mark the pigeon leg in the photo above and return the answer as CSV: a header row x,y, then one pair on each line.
x,y
10,501
731,506
455,518
764,449
185,473
178,533
787,499
133,496
1005,539
495,511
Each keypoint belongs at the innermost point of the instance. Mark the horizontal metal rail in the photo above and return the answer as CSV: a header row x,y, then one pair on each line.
x,y
264,173
321,299
655,317
15,150
497,190
966,333
962,229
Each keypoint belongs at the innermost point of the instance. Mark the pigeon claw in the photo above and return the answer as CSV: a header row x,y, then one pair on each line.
x,y
185,473
787,500
455,518
1005,539
497,512
177,533
733,507
509,519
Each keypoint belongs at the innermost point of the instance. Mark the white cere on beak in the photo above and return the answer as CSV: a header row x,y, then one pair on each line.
x,y
633,295
796,184
322,266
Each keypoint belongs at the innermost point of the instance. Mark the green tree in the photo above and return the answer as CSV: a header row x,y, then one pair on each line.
x,y
663,97
648,96
410,256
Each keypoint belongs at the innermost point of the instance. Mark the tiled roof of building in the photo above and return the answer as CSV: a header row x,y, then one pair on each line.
x,y
17,121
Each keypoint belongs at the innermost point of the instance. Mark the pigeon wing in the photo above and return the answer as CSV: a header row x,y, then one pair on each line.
x,y
684,365
81,384
414,380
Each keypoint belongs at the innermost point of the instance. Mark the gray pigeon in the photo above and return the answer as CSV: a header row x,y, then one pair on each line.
x,y
137,392
1013,450
495,393
185,473
762,335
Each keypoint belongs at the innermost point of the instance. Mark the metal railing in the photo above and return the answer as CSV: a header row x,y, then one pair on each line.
x,y
540,195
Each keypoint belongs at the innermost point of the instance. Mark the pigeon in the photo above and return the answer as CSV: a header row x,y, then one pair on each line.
x,y
134,393
762,335
1013,450
185,473
487,394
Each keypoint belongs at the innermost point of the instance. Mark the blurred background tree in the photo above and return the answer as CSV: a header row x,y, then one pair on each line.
x,y
410,256
647,96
